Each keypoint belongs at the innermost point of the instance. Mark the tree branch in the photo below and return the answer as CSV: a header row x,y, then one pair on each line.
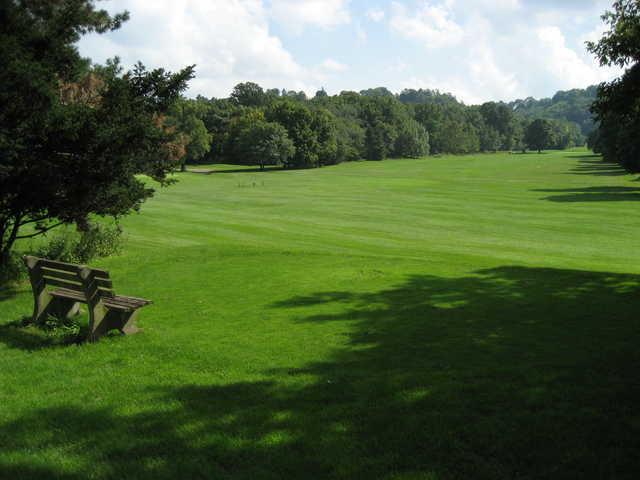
x,y
33,220
39,232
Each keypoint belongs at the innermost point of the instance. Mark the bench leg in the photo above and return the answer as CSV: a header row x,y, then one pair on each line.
x,y
64,308
46,305
129,326
41,301
113,320
98,322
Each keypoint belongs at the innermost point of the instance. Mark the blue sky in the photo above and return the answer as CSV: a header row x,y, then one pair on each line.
x,y
478,50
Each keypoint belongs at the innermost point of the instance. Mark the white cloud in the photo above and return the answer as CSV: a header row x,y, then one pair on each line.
x,y
502,55
430,24
296,14
229,41
331,65
477,49
565,64
361,34
375,14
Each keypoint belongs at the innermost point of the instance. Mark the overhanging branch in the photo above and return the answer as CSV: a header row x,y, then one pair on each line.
x,y
39,232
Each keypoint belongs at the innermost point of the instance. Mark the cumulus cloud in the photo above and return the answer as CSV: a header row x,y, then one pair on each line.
x,y
563,62
331,65
296,14
501,49
431,24
229,41
375,14
477,49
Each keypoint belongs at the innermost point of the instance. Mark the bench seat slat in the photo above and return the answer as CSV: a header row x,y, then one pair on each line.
x,y
66,293
120,302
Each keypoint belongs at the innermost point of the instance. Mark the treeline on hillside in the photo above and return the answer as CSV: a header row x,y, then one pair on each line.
x,y
272,127
571,105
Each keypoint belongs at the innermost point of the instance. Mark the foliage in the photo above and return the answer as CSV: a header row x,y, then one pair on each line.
x,y
617,108
539,135
248,94
93,241
373,124
310,130
185,117
61,330
64,155
11,269
620,45
265,143
569,106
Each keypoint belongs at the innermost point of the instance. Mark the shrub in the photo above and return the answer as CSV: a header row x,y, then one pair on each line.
x,y
62,330
94,241
11,270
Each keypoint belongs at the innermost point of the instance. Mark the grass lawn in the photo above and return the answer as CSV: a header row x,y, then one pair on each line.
x,y
453,317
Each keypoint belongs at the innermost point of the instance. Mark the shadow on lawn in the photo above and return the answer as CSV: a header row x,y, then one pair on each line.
x,y
595,165
593,194
268,168
508,373
8,291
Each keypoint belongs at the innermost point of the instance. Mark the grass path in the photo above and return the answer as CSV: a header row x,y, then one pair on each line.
x,y
453,317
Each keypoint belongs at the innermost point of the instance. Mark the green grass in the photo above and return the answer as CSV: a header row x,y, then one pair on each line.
x,y
454,317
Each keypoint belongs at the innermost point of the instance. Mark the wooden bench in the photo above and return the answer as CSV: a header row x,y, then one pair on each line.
x,y
59,288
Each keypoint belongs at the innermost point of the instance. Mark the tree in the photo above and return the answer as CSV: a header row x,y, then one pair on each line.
x,y
184,117
539,135
73,138
617,108
312,132
412,141
248,94
265,143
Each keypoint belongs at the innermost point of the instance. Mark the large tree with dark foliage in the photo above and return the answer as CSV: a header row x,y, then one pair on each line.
x,y
617,108
539,135
73,138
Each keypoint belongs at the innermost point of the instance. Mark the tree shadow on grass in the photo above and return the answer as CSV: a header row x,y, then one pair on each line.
x,y
506,373
595,165
593,194
235,170
8,291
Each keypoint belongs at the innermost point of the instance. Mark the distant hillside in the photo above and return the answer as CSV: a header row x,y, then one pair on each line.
x,y
572,105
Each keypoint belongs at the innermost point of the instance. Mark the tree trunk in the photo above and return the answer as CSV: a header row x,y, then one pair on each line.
x,y
8,238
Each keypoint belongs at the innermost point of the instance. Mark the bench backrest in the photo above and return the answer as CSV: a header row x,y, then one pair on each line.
x,y
91,282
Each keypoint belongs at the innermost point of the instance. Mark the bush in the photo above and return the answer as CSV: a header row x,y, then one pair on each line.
x,y
94,241
61,330
12,270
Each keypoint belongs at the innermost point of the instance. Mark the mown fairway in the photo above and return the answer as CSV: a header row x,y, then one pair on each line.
x,y
454,317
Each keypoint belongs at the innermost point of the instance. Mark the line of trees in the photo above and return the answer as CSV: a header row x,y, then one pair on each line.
x,y
261,127
74,136
617,108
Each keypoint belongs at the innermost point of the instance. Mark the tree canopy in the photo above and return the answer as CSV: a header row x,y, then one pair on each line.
x,y
73,137
617,108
